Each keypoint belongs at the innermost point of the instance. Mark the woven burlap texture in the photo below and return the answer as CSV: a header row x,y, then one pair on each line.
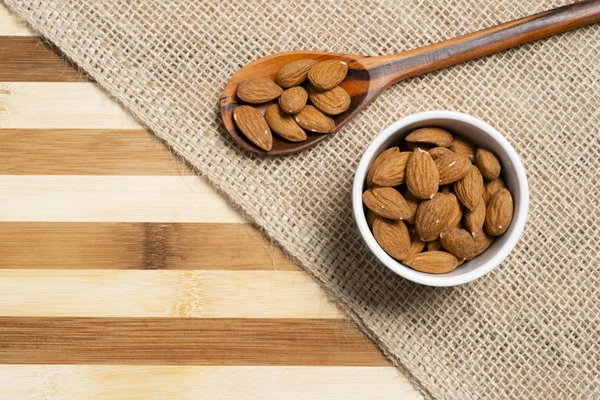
x,y
529,329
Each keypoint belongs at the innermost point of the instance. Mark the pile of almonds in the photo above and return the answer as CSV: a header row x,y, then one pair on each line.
x,y
437,204
291,116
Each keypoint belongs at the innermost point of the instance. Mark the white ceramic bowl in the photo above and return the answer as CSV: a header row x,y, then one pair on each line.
x,y
482,135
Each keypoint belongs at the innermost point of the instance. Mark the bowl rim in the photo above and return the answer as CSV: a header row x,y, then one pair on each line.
x,y
397,267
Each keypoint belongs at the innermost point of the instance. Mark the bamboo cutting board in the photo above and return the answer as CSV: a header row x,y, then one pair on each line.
x,y
124,275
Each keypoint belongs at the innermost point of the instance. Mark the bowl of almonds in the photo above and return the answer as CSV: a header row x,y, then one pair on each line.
x,y
440,198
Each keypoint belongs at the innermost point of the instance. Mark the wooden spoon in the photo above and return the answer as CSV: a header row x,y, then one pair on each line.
x,y
369,76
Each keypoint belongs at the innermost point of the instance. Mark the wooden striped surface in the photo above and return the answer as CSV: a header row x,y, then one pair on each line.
x,y
124,275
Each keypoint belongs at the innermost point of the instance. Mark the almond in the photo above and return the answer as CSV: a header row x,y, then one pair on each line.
x,y
254,126
432,262
482,241
469,189
392,170
378,161
386,202
333,101
422,177
371,217
327,74
452,167
393,237
284,124
436,136
455,214
294,73
499,213
413,204
416,245
459,242
434,216
422,146
491,188
437,152
434,246
488,164
293,100
314,120
258,90
474,219
463,146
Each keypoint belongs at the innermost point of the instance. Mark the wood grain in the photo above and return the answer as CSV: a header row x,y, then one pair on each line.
x,y
203,246
185,294
11,25
61,106
86,152
31,59
167,341
84,198
73,131
134,382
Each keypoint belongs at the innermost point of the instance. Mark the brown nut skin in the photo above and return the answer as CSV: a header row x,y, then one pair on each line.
x,y
499,213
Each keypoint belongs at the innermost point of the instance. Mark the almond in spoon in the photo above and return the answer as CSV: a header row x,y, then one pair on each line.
x,y
254,126
284,124
258,90
293,100
327,74
333,101
294,73
314,120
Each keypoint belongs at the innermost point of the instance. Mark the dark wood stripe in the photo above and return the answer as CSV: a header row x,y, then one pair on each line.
x,y
86,152
184,341
41,245
30,59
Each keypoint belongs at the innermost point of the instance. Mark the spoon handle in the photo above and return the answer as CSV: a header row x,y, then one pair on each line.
x,y
386,70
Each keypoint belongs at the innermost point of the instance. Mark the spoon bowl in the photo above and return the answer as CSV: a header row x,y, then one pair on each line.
x,y
357,85
368,76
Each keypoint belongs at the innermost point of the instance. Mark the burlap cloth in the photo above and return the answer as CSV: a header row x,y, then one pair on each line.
x,y
529,329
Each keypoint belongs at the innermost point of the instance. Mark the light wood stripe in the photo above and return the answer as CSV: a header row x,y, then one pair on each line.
x,y
30,59
60,106
11,26
167,341
86,152
84,198
48,245
133,382
190,294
